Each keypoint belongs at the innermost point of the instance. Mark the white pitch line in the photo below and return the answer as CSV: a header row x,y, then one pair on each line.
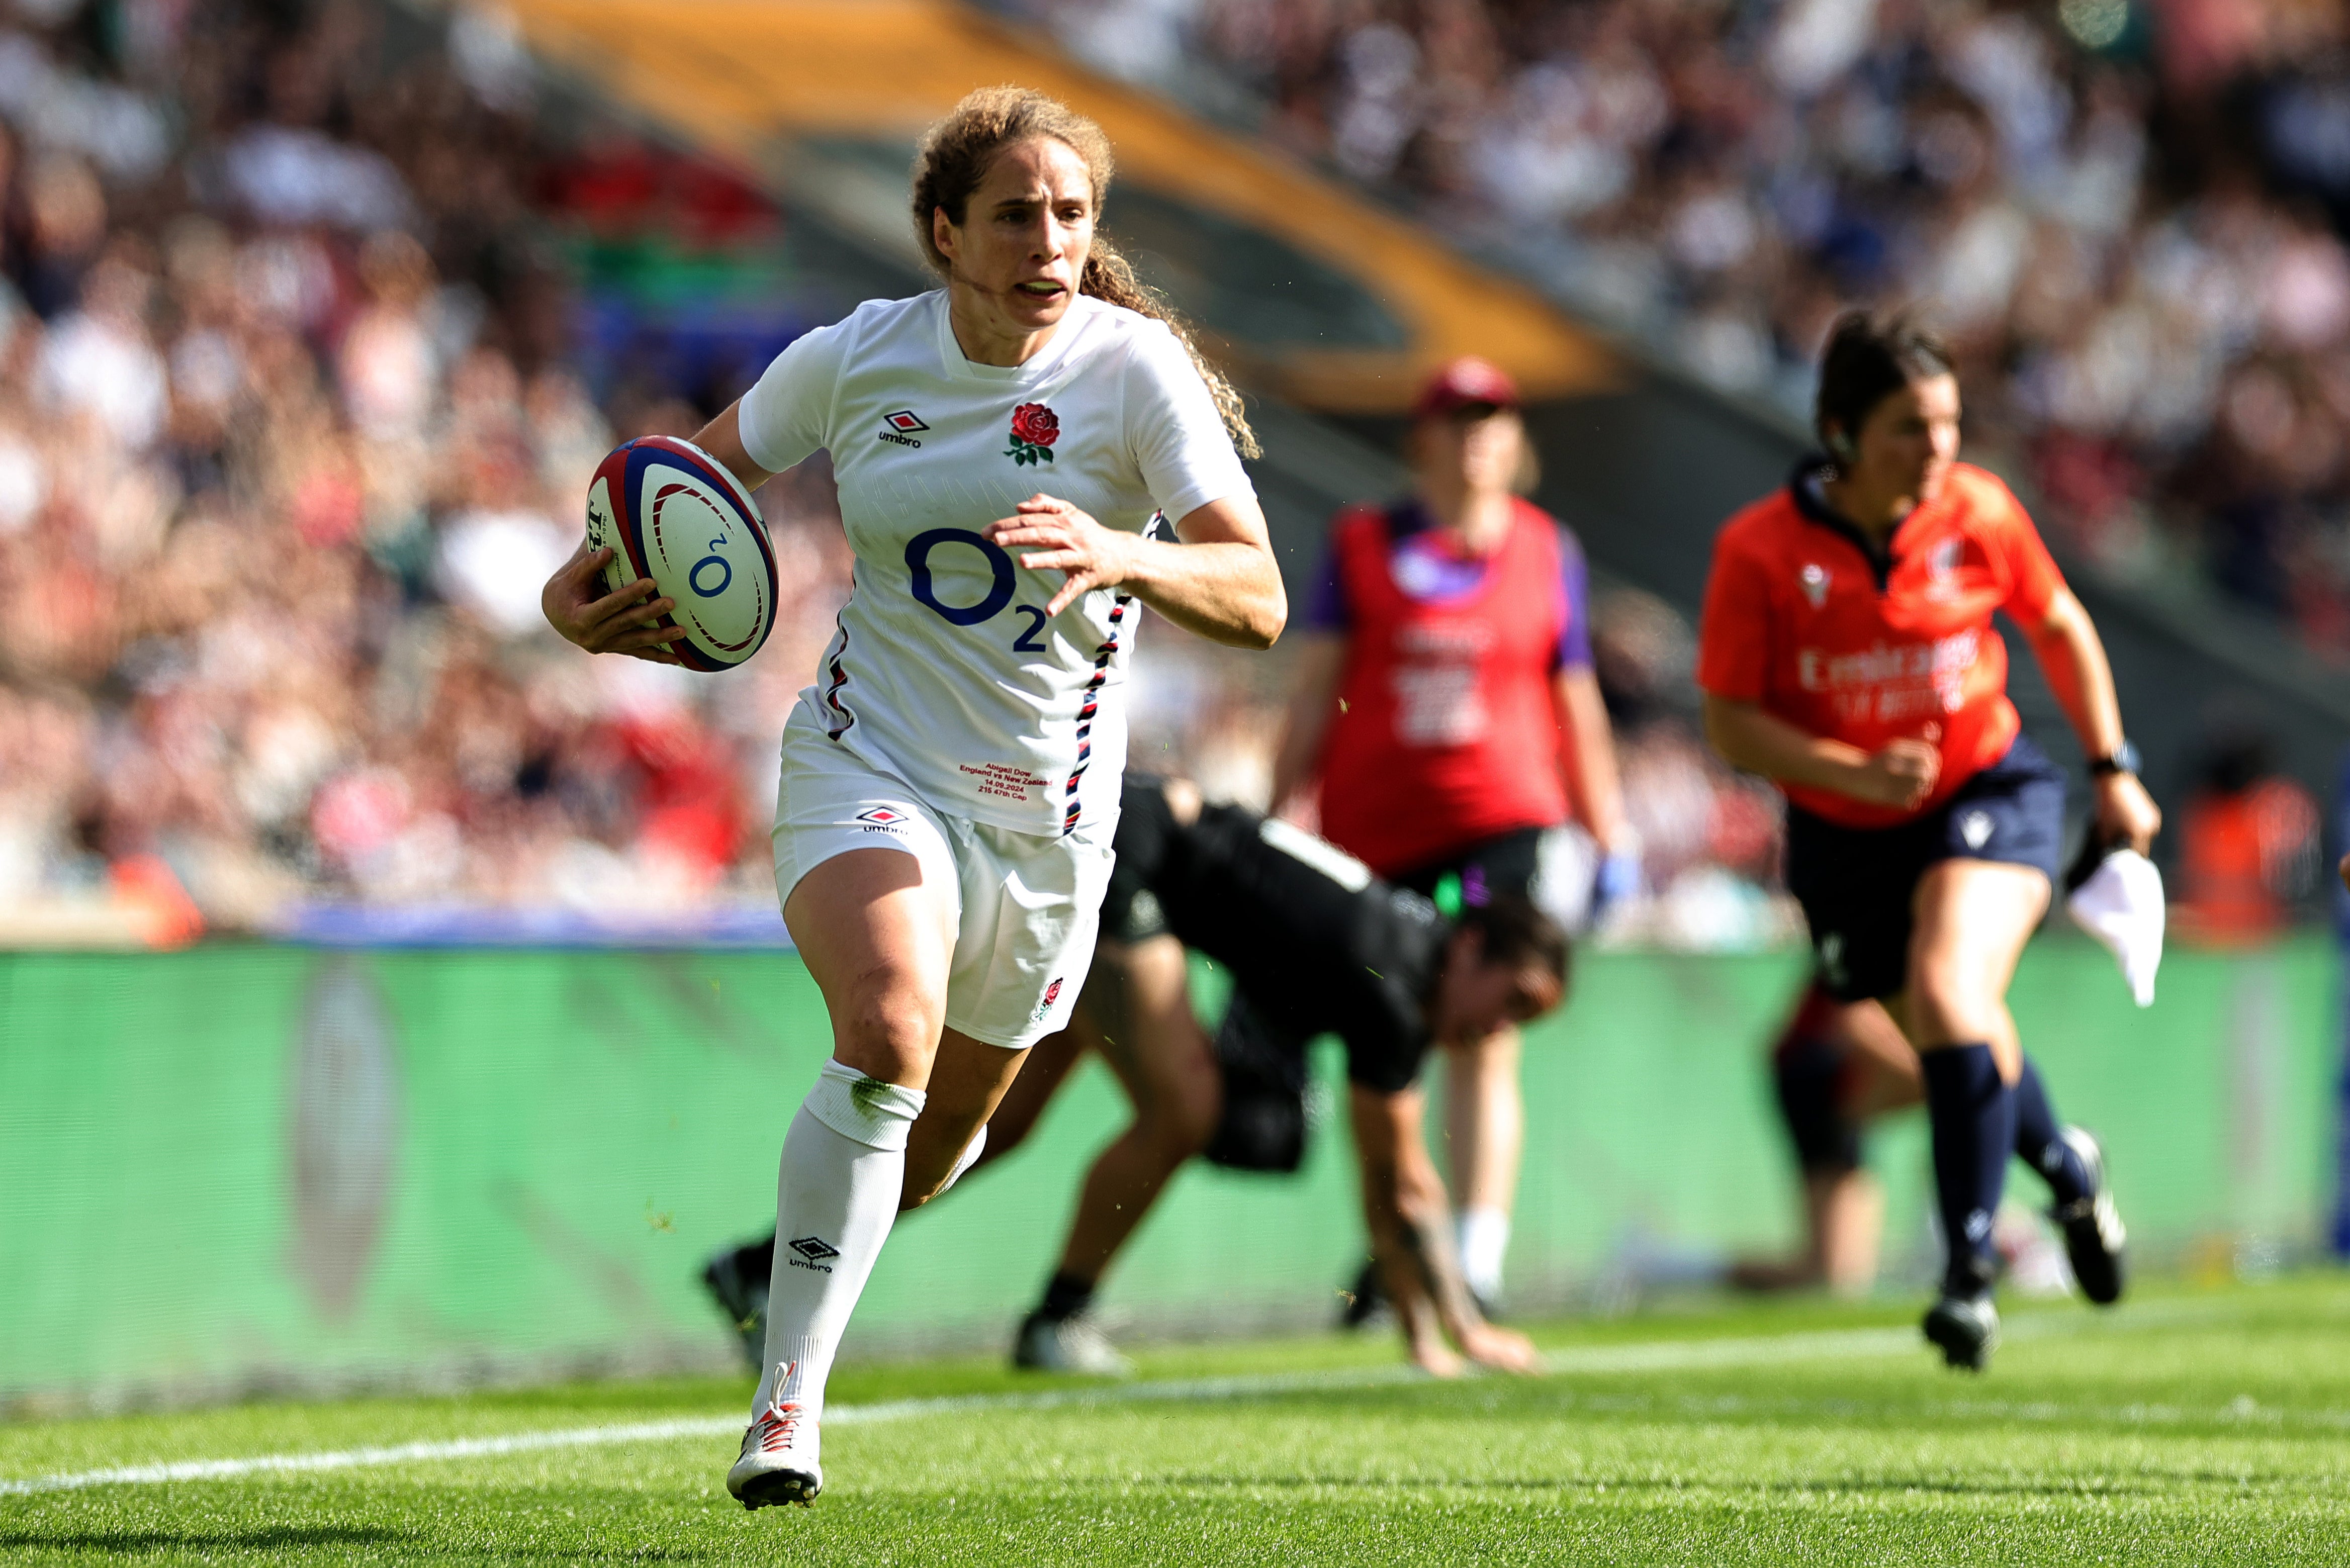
x,y
354,1458
1656,1355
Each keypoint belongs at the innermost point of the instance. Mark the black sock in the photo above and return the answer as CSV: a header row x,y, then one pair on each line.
x,y
1065,1297
2037,1140
756,1261
1972,1115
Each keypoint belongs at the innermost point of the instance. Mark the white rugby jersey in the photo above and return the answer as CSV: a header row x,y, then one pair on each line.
x,y
946,670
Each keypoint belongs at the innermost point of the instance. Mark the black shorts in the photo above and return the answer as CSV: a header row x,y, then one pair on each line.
x,y
1506,863
1857,884
1130,911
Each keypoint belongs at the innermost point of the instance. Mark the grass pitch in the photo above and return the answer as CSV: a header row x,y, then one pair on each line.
x,y
2199,1428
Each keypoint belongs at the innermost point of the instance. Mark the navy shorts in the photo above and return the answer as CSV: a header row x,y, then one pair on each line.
x,y
1857,884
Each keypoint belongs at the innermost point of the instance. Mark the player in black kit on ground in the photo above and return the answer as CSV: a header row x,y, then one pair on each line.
x,y
1314,945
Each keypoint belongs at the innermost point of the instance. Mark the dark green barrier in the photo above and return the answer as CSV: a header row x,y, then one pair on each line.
x,y
238,1165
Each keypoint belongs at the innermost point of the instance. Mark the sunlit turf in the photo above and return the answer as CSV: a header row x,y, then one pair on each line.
x,y
2188,1426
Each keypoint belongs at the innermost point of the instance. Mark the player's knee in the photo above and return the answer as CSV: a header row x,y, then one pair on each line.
x,y
1942,1005
890,1032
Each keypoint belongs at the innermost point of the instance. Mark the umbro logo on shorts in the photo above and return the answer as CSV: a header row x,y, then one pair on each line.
x,y
882,817
901,427
812,1252
1975,829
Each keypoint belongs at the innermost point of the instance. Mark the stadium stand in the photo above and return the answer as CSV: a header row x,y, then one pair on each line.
x,y
326,318
2129,216
315,321
294,417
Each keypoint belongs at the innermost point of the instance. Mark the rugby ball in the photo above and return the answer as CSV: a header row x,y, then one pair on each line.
x,y
671,512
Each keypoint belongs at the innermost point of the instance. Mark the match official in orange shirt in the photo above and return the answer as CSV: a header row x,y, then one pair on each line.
x,y
1846,653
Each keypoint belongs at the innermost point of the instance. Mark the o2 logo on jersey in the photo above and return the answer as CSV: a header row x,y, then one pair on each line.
x,y
1000,580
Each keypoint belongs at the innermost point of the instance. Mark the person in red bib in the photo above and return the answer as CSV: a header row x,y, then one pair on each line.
x,y
1846,653
1446,715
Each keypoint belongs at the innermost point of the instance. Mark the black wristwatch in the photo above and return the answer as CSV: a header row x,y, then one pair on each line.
x,y
2124,759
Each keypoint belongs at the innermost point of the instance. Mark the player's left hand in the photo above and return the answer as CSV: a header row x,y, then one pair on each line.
x,y
2125,813
1060,537
1503,1349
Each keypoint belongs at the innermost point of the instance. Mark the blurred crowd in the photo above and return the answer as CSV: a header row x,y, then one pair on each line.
x,y
312,329
2127,214
289,437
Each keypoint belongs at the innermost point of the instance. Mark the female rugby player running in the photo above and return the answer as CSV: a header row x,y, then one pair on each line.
x,y
1846,653
951,785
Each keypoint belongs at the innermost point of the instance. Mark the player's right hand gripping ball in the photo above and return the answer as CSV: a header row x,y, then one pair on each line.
x,y
671,512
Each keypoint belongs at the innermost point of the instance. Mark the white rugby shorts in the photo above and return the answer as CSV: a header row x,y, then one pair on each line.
x,y
1027,905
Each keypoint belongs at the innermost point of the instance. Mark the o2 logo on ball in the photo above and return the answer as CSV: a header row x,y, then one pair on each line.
x,y
1034,429
670,512
697,577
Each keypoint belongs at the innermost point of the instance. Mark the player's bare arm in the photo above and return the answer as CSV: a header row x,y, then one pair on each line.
x,y
2073,657
1403,1207
1901,775
1589,759
1220,582
1315,670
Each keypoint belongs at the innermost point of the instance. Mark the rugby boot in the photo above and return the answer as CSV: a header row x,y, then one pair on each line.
x,y
2094,1236
779,1460
1965,1328
1067,1344
742,1299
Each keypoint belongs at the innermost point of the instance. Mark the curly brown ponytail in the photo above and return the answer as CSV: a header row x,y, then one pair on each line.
x,y
955,157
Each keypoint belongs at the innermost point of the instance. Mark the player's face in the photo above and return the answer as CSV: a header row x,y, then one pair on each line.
x,y
1477,995
1910,440
1026,232
1480,446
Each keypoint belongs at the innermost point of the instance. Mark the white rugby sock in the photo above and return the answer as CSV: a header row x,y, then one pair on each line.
x,y
835,1197
1484,1236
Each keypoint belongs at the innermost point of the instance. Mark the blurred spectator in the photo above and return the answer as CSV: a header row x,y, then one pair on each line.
x,y
288,443
2248,848
2129,215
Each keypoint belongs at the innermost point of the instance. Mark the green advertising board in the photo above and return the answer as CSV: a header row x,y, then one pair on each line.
x,y
245,1167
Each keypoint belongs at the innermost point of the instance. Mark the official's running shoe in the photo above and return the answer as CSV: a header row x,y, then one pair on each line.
x,y
742,1300
2093,1235
1067,1344
779,1460
1965,1329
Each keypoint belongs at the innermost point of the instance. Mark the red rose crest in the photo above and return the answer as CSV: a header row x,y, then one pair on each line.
x,y
1034,429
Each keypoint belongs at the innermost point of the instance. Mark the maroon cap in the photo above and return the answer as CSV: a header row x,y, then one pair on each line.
x,y
1462,383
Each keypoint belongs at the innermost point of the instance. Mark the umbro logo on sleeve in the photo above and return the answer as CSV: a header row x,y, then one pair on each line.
x,y
900,427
